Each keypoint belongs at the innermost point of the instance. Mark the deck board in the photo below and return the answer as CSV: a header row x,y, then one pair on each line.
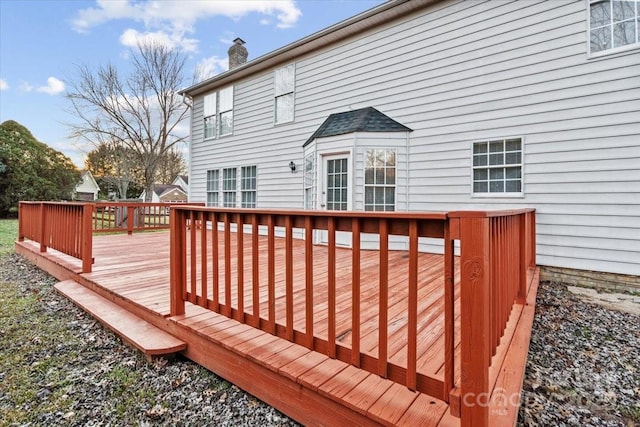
x,y
134,271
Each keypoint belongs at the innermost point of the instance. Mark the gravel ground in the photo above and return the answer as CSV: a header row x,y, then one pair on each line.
x,y
60,367
583,367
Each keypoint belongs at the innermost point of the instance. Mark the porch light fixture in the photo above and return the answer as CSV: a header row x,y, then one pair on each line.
x,y
292,166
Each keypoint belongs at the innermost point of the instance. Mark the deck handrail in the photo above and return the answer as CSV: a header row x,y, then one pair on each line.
x,y
110,217
497,248
63,226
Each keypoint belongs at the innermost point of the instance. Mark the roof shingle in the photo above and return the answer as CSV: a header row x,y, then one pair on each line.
x,y
362,120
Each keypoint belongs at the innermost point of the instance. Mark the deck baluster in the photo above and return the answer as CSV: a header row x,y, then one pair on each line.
x,y
308,280
227,265
383,323
289,276
202,300
412,316
331,336
215,261
355,292
240,268
255,265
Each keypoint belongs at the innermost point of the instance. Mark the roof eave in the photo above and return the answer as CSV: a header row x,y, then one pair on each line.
x,y
347,28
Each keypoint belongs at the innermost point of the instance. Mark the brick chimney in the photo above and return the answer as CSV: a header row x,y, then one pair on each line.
x,y
237,54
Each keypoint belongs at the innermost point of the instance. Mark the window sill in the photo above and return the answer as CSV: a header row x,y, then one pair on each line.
x,y
614,51
283,123
497,195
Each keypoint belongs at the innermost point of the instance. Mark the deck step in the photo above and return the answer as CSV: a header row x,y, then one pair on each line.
x,y
144,336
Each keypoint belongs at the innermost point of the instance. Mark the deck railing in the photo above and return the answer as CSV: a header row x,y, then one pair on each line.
x,y
63,226
109,217
496,250
497,258
68,227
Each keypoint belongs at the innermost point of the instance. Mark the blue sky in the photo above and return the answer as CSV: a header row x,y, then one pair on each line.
x,y
42,41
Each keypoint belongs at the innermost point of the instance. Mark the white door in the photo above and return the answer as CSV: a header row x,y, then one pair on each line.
x,y
335,192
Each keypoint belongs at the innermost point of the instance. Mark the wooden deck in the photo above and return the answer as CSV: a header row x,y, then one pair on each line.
x,y
133,271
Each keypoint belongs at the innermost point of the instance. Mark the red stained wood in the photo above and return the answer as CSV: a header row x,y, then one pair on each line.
x,y
424,410
296,298
302,365
392,405
149,339
366,393
321,373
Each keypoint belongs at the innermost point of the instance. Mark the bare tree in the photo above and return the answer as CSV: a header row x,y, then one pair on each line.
x,y
141,111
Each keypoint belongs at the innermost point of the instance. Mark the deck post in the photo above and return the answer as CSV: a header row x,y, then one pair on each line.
x,y
21,220
130,218
177,260
532,238
43,228
475,323
87,237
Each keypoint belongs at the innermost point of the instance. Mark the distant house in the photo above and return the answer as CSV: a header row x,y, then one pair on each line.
x,y
88,189
442,105
167,193
182,181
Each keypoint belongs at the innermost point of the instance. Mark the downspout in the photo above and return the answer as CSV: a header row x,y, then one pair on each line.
x,y
189,106
406,187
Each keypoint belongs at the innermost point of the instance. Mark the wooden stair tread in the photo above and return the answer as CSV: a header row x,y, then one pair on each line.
x,y
147,338
379,399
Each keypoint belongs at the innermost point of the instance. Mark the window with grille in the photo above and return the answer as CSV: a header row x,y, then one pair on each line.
x,y
229,187
284,93
309,182
213,187
497,166
218,113
248,187
380,180
613,24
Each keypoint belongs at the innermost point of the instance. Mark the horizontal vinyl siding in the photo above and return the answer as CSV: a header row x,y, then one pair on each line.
x,y
456,73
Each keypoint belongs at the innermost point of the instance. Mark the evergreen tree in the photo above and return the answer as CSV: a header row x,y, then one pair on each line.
x,y
31,170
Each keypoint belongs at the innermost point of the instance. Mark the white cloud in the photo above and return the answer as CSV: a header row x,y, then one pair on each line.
x,y
54,86
209,67
133,38
4,85
26,87
172,20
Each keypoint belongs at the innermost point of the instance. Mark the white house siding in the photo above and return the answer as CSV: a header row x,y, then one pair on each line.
x,y
460,72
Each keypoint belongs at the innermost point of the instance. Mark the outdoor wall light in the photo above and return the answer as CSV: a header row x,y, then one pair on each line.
x,y
292,166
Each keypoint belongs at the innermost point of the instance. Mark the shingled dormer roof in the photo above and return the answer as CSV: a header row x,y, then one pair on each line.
x,y
363,120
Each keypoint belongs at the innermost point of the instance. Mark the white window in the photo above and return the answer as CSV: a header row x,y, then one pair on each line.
x,y
284,93
497,166
225,109
248,187
309,182
613,24
210,115
213,187
229,187
380,180
218,113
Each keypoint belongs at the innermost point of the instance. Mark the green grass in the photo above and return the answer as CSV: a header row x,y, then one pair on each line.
x,y
8,235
